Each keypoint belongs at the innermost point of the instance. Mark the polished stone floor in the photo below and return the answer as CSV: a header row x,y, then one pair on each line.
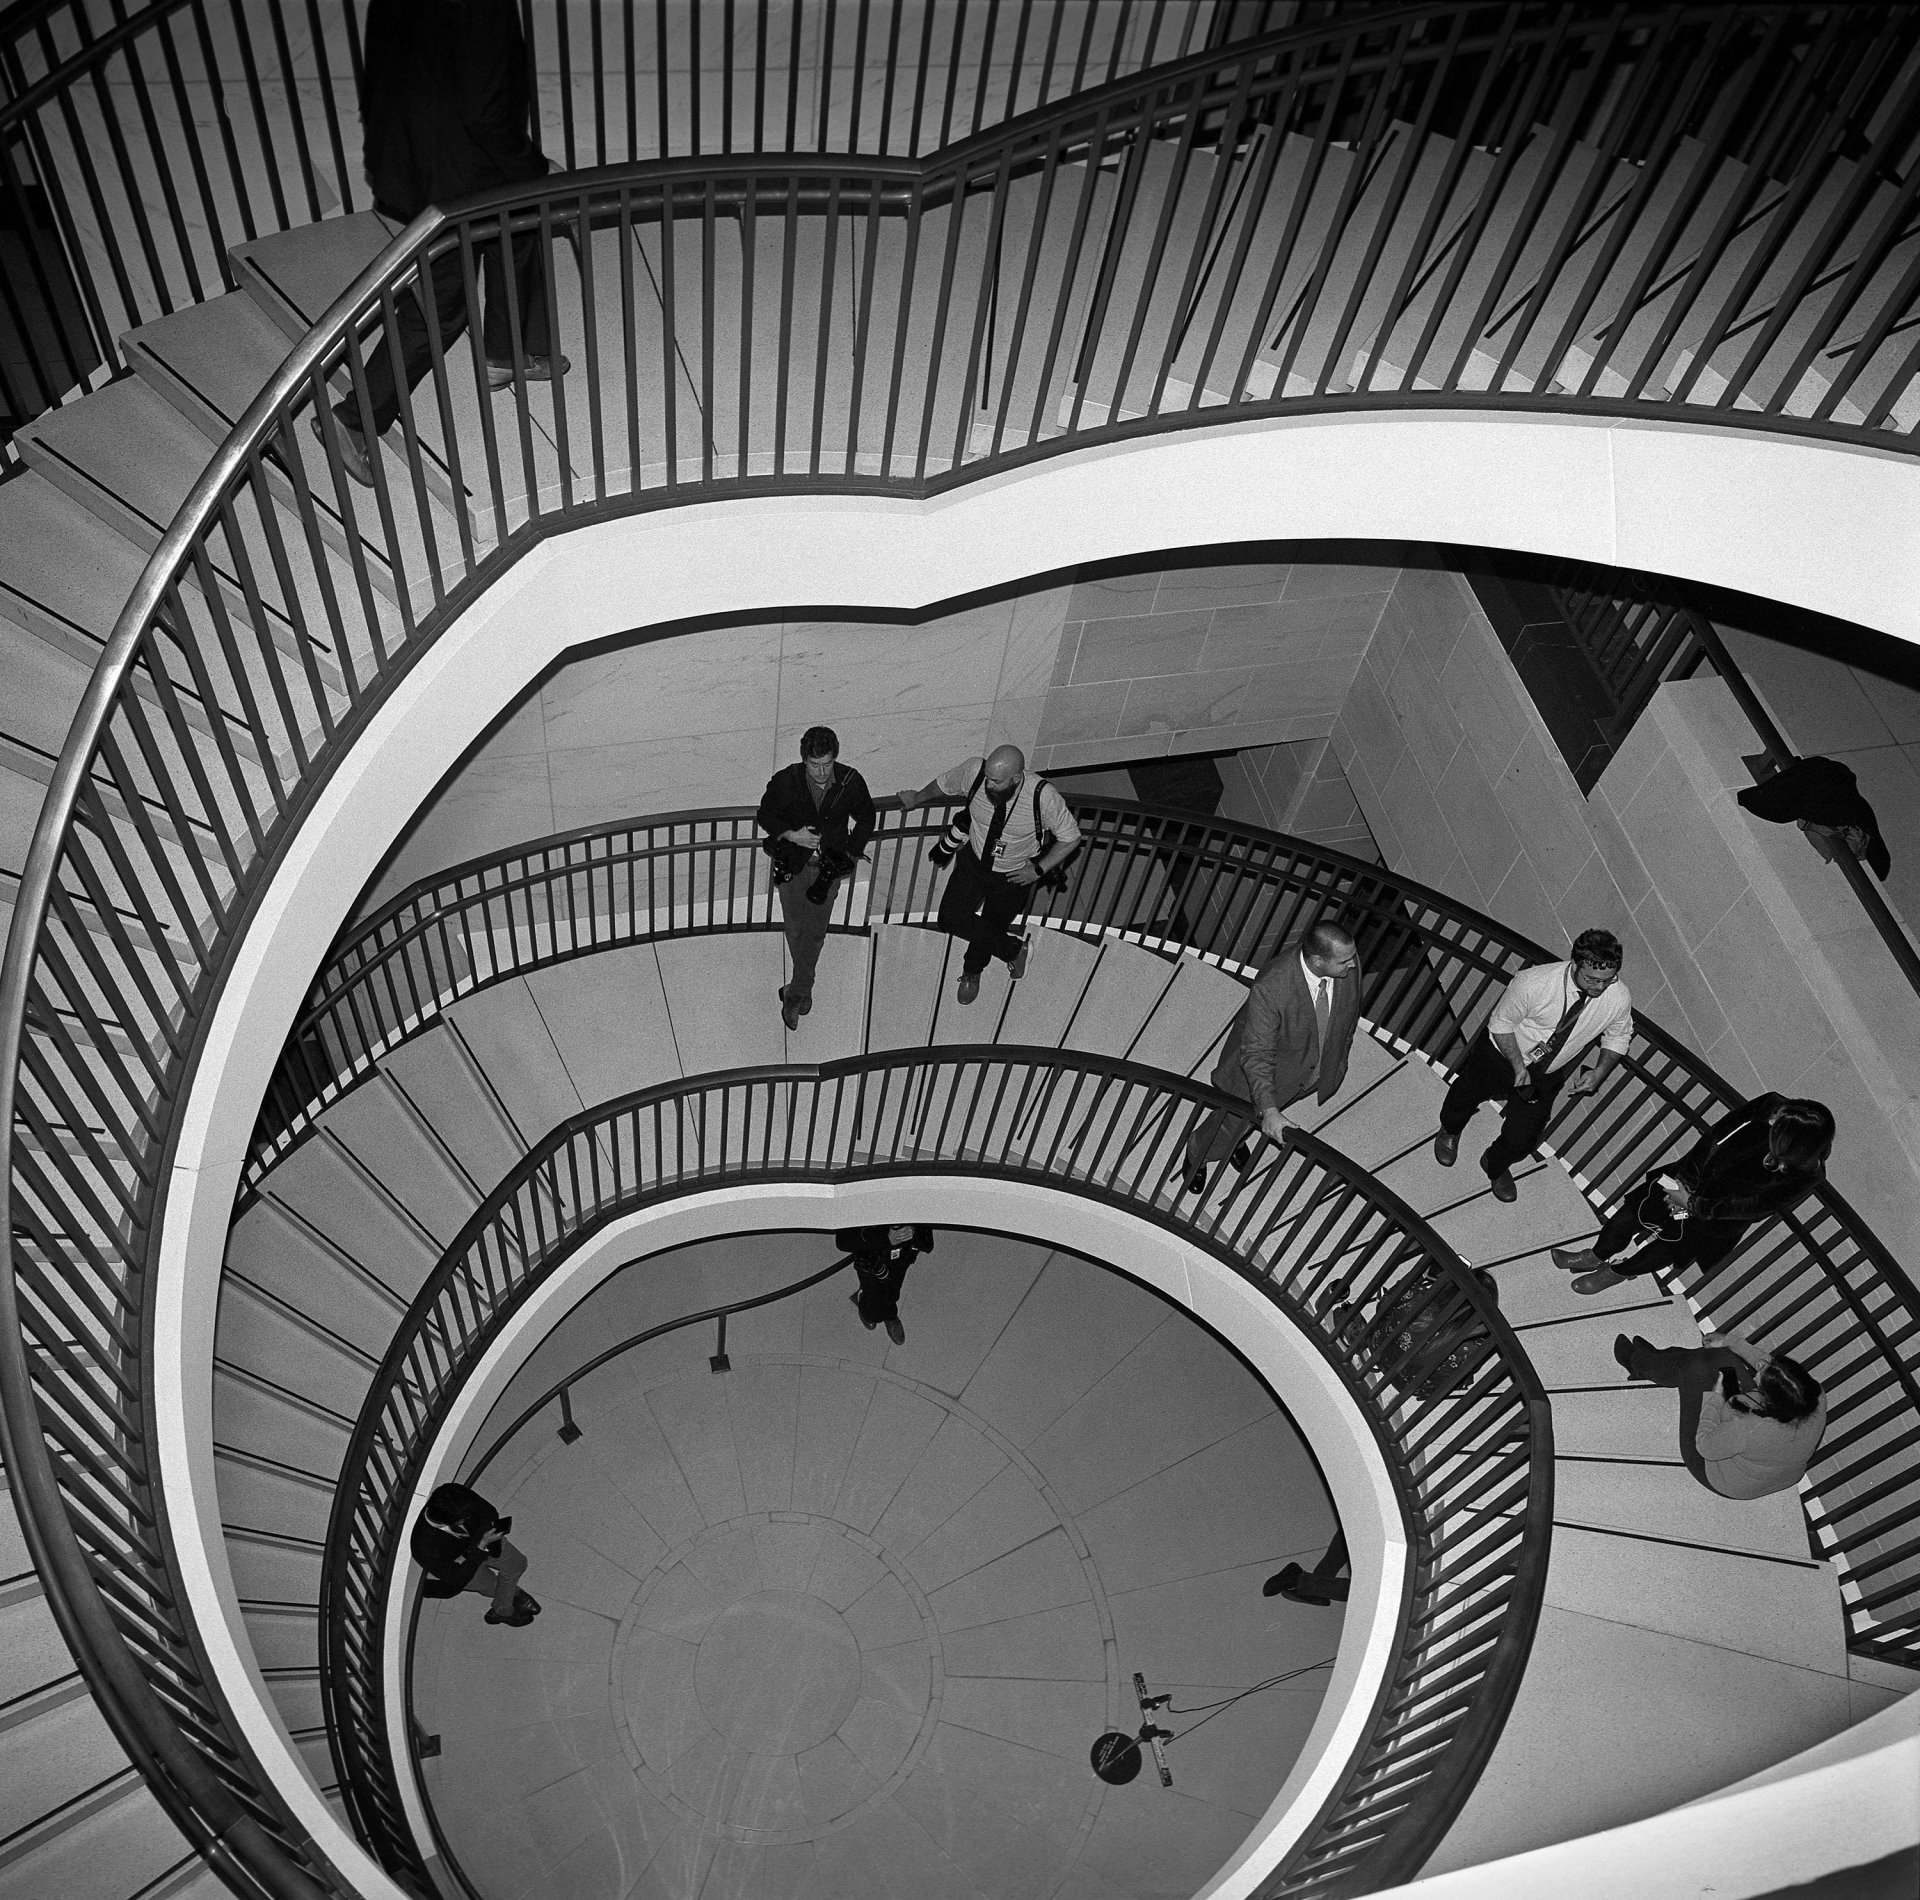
x,y
846,1619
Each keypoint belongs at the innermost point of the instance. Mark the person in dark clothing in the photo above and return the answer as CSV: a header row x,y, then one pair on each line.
x,y
460,1541
1823,798
1757,1162
818,817
443,114
881,1257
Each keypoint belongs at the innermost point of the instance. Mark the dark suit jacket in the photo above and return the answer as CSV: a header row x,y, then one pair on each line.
x,y
451,1557
1272,1050
844,819
443,102
1732,1185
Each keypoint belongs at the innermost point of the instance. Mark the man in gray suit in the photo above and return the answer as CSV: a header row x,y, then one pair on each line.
x,y
1290,1039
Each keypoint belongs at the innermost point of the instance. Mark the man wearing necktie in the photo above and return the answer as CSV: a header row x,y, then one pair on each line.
x,y
1546,1019
1290,1039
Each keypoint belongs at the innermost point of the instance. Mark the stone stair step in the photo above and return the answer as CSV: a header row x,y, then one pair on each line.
x,y
105,1845
512,1047
281,1256
610,1020
1786,1611
1668,1501
446,1089
720,997
386,1135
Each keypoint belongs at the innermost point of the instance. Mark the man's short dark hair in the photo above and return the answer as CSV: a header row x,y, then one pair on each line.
x,y
1598,950
819,742
1326,939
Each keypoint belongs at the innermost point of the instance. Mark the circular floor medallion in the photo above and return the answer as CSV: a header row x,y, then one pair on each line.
x,y
777,1672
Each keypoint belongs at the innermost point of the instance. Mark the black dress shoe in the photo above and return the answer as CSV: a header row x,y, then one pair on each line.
x,y
1446,1148
896,1332
1243,1156
790,1011
1623,1351
1195,1182
1282,1580
1504,1188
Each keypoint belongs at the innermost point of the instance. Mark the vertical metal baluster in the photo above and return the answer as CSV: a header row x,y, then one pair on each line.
x,y
953,71
830,233
669,349
866,270
956,212
980,343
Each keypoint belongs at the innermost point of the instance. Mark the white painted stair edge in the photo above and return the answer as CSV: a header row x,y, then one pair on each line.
x,y
1776,1829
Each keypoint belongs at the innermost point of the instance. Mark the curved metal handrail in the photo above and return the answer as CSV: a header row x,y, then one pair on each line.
x,y
1458,1412
285,603
275,153
1817,1282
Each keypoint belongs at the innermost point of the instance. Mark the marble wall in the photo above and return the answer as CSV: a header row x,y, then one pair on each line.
x,y
1787,977
1190,660
1298,788
1729,945
1207,659
1465,789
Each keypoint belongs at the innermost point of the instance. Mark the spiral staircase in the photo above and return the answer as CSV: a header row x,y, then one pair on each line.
x,y
1152,277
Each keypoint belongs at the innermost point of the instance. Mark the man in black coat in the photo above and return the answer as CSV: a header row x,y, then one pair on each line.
x,y
818,816
881,1257
444,113
460,1541
1291,1039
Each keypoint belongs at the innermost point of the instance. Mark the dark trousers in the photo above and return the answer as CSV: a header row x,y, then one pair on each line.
x,y
978,905
806,924
880,1283
1224,1130
451,314
1692,1370
1701,1243
1487,1076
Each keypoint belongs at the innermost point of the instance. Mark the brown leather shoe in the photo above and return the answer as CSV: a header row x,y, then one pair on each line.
x,y
1446,1148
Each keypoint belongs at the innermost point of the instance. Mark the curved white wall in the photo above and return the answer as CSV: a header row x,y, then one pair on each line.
x,y
1834,530
1327,1416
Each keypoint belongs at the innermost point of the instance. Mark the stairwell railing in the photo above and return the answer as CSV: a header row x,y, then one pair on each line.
x,y
1459,1416
144,139
778,324
1817,1283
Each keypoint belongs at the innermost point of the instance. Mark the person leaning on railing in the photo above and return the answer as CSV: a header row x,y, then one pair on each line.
x,y
444,113
1756,1162
1011,835
1750,1420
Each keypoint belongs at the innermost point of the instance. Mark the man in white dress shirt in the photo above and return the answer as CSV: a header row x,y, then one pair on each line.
x,y
1546,1020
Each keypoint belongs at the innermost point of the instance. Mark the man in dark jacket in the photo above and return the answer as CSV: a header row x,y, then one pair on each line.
x,y
460,1541
818,816
881,1257
1290,1039
443,114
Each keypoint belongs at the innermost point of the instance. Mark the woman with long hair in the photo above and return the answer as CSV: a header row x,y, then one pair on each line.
x,y
1757,1162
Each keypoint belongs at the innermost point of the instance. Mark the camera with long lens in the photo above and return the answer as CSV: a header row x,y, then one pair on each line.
x,y
832,865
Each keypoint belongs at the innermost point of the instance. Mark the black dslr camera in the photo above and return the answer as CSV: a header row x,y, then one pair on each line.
x,y
833,864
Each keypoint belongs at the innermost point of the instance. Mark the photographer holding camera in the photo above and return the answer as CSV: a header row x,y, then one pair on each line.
x,y
1009,838
818,816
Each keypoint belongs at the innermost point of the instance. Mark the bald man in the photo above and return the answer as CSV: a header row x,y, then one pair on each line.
x,y
1011,830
